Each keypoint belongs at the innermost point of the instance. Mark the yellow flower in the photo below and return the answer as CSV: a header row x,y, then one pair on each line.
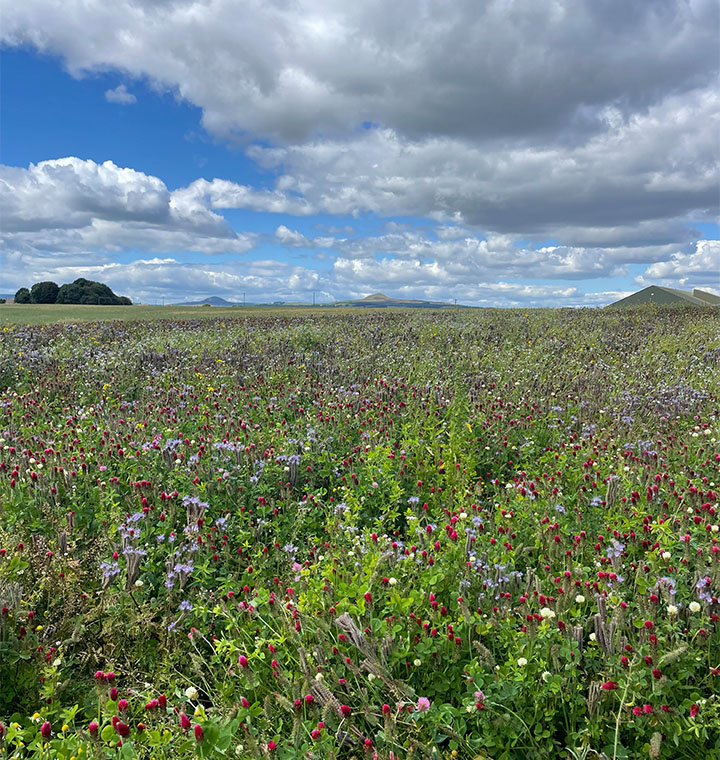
x,y
38,628
65,727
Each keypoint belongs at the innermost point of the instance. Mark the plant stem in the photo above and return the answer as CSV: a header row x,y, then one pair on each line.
x,y
619,712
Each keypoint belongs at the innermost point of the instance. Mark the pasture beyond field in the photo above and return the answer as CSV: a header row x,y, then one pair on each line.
x,y
39,314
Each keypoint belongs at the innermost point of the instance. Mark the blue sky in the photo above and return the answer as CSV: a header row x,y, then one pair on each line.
x,y
175,153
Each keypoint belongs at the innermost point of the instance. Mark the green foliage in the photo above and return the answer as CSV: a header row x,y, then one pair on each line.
x,y
476,520
22,296
44,292
83,291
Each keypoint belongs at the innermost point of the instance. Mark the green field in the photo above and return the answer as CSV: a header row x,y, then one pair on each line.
x,y
39,314
345,534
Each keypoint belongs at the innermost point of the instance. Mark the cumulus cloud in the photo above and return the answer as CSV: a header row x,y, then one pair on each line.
x,y
606,120
456,254
223,194
72,205
69,192
468,70
120,95
699,268
168,279
292,238
90,213
657,167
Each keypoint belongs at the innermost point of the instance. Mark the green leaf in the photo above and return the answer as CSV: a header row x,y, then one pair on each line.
x,y
107,733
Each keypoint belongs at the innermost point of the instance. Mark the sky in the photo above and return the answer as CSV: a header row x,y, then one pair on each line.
x,y
502,153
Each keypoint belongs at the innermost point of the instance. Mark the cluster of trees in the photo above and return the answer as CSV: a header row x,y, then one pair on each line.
x,y
81,291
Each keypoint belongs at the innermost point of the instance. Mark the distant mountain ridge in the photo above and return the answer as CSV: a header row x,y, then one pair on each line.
x,y
373,301
380,300
212,301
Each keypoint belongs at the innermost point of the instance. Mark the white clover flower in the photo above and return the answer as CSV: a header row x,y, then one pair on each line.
x,y
463,515
672,610
694,607
547,614
580,599
715,528
139,583
319,676
593,637
392,581
191,692
417,663
666,555
469,708
522,662
546,675
371,677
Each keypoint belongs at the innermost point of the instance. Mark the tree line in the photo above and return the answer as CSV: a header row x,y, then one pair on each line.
x,y
81,291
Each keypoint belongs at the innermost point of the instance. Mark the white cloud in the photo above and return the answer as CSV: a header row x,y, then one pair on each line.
x,y
120,95
91,214
69,192
292,238
168,279
463,255
700,268
294,70
623,183
598,134
221,193
74,205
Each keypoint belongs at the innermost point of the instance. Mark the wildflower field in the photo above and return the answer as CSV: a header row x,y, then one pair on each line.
x,y
471,534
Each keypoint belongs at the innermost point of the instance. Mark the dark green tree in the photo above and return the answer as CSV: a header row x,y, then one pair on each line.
x,y
44,292
88,292
22,296
69,293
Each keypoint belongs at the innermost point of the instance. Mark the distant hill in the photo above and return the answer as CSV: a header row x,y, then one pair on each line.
x,y
379,300
212,301
374,301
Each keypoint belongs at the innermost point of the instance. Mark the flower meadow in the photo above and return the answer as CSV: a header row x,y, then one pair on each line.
x,y
471,534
